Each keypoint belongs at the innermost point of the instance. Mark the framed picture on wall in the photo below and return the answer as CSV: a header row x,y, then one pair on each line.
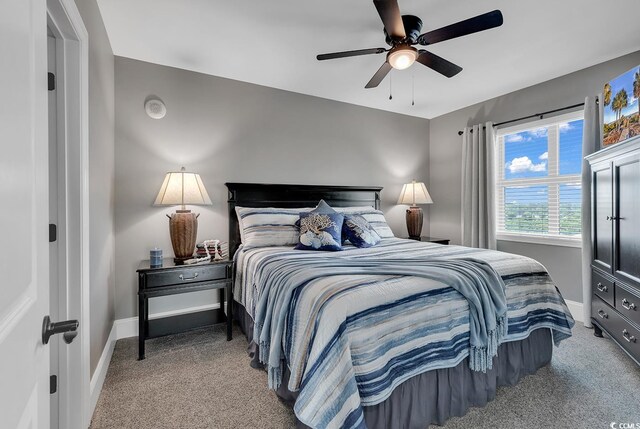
x,y
621,108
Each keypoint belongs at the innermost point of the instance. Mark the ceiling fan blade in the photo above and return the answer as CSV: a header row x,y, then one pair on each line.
x,y
390,14
482,22
438,64
379,76
346,54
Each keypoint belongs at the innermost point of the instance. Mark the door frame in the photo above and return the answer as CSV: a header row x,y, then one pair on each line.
x,y
72,86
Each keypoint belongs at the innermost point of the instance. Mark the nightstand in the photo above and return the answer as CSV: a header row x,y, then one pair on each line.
x,y
172,279
431,239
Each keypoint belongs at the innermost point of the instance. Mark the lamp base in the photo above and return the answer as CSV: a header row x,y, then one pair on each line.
x,y
183,228
414,222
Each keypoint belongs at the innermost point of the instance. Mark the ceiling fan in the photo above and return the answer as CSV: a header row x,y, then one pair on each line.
x,y
402,32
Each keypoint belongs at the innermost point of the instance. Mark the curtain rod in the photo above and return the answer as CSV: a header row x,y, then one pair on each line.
x,y
537,115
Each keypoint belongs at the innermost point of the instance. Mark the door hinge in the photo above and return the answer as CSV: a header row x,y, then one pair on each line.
x,y
53,232
52,81
53,384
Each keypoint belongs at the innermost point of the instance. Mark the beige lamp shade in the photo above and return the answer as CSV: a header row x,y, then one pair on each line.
x,y
181,188
414,193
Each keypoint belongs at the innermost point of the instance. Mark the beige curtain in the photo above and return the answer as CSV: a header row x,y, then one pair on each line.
x,y
478,187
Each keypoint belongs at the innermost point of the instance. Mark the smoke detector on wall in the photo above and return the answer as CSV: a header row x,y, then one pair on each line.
x,y
155,108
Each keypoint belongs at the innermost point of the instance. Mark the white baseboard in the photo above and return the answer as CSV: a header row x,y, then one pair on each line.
x,y
100,373
126,328
576,310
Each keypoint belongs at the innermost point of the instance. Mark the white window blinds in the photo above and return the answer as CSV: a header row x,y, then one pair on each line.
x,y
538,179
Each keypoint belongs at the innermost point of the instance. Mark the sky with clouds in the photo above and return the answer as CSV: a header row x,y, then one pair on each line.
x,y
527,156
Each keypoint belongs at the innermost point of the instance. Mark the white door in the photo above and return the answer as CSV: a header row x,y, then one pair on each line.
x,y
24,210
54,344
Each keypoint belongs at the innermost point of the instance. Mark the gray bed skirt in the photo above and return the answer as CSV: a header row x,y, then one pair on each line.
x,y
435,396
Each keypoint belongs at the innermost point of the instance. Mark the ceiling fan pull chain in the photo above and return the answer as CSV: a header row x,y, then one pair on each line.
x,y
413,89
390,96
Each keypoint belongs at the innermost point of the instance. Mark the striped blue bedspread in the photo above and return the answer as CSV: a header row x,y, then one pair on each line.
x,y
349,340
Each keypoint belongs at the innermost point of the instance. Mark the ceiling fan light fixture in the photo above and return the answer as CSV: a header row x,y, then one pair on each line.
x,y
402,56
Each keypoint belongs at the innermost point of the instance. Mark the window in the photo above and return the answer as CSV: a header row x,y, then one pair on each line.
x,y
538,181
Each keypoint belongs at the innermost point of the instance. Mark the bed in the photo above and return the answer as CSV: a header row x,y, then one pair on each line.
x,y
379,348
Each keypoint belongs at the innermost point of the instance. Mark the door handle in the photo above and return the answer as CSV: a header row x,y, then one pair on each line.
x,y
69,329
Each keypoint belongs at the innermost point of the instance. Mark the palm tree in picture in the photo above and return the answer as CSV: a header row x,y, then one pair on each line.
x,y
620,101
607,94
636,90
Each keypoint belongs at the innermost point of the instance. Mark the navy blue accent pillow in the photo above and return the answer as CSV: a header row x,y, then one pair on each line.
x,y
320,231
323,208
359,231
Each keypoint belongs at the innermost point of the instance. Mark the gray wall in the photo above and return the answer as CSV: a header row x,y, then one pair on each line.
x,y
445,155
101,179
233,131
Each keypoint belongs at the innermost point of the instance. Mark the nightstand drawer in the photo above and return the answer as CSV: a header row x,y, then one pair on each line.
x,y
627,303
602,287
188,274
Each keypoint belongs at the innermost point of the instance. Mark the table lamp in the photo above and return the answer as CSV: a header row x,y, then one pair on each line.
x,y
181,188
414,193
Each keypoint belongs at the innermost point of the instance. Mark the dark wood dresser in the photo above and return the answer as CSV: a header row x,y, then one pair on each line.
x,y
615,241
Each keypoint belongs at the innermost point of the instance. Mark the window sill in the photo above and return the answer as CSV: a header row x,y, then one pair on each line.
x,y
540,239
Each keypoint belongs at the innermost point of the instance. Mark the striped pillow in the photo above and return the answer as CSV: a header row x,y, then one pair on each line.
x,y
269,226
374,217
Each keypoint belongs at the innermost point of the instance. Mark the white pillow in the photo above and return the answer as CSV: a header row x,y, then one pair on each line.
x,y
269,226
374,217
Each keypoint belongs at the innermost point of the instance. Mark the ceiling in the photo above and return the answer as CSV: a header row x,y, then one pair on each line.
x,y
274,43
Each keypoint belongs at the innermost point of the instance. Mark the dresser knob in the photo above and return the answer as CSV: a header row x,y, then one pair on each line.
x,y
627,336
601,287
602,314
628,305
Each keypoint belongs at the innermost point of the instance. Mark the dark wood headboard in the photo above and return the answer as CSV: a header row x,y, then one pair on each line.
x,y
265,195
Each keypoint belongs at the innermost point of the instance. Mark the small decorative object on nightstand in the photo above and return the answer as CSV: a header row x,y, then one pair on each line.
x,y
430,239
173,279
180,187
414,193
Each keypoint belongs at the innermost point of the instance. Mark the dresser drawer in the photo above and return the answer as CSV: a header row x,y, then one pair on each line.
x,y
627,303
601,311
191,274
602,287
626,334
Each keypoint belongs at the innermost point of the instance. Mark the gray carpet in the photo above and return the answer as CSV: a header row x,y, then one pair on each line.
x,y
199,380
